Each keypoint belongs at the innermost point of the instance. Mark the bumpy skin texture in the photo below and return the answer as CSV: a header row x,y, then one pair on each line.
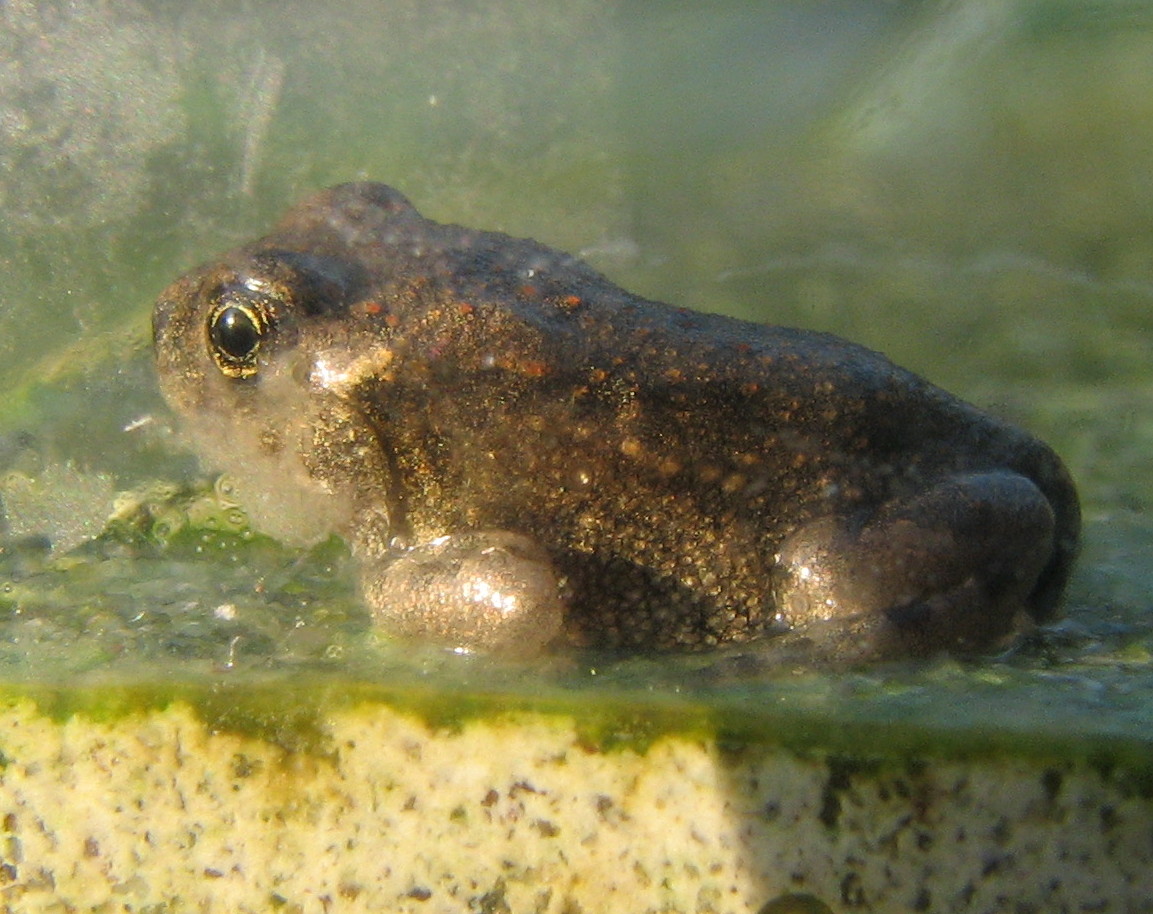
x,y
687,479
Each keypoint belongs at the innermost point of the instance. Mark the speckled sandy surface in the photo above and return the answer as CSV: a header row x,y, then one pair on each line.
x,y
156,813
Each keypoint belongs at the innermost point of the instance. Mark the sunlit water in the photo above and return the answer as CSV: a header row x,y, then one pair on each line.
x,y
963,186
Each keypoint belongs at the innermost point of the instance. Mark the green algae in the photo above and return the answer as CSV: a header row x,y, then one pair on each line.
x,y
291,711
179,601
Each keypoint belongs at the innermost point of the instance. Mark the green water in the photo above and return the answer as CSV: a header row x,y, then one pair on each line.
x,y
964,186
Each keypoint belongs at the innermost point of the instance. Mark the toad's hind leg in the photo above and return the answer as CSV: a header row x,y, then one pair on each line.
x,y
953,568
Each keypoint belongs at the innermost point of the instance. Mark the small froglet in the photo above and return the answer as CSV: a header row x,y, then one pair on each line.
x,y
524,456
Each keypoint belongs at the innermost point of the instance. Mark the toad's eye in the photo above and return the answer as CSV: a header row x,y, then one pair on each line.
x,y
236,328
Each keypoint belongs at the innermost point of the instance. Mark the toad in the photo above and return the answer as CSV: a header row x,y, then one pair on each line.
x,y
523,455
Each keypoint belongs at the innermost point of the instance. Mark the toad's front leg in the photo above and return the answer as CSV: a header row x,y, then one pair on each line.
x,y
486,591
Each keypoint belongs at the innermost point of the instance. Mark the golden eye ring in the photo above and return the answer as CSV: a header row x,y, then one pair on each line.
x,y
236,328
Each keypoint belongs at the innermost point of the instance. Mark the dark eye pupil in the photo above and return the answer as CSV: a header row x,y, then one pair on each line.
x,y
235,333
